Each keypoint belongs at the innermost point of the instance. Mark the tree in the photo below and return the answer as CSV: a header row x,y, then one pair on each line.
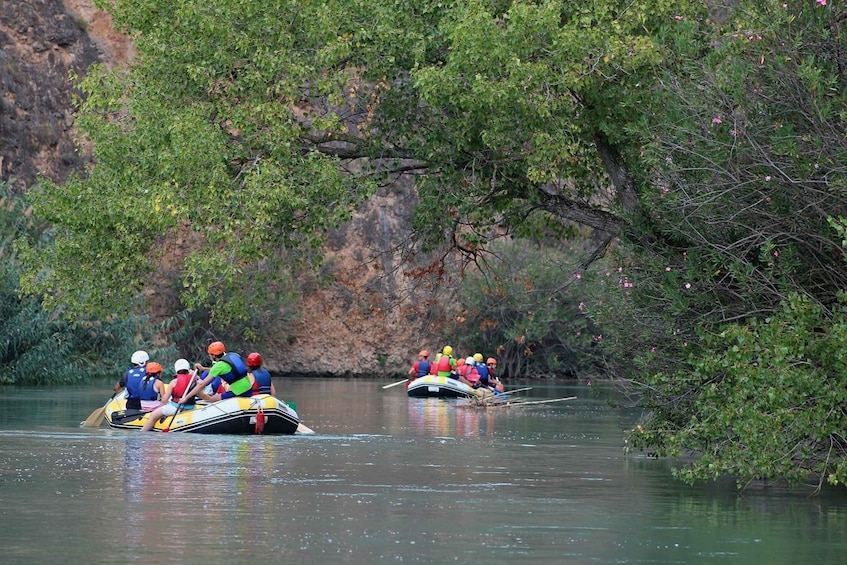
x,y
38,346
737,253
518,311
258,125
702,146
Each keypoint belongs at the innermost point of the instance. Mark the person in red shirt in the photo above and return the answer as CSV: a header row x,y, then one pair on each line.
x,y
420,368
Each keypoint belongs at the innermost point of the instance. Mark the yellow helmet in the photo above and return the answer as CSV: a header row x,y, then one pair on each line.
x,y
477,357
447,350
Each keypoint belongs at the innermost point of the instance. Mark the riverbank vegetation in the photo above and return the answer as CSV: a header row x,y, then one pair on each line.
x,y
698,148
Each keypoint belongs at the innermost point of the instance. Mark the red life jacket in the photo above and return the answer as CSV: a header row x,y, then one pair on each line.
x,y
444,365
181,386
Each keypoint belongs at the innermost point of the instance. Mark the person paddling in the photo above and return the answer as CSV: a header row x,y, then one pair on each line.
x,y
173,397
132,380
230,368
420,368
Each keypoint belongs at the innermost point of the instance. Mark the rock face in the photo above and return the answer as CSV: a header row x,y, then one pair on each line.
x,y
370,322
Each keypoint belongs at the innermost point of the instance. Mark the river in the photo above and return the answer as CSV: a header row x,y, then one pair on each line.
x,y
385,479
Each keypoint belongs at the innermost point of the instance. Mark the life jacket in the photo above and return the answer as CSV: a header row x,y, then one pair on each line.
x,y
445,367
134,378
469,372
482,369
236,377
263,381
181,387
148,389
423,368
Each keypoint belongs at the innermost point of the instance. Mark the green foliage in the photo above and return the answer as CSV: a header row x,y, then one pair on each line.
x,y
522,313
198,140
711,138
37,346
759,400
738,220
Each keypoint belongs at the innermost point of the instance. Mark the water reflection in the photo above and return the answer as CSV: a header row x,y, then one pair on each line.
x,y
386,479
449,418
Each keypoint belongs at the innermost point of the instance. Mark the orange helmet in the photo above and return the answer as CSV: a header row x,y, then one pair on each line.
x,y
216,348
254,360
152,368
460,362
423,353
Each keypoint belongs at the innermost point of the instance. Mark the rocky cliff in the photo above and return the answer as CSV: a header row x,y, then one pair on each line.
x,y
370,321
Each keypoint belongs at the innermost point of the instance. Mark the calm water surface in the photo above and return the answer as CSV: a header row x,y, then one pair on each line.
x,y
386,479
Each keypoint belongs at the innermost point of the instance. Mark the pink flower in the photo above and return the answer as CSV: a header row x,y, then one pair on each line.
x,y
667,269
821,2
687,285
768,177
717,120
578,276
581,306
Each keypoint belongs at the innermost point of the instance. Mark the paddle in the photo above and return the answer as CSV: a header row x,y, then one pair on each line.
x,y
190,384
96,417
304,429
516,390
395,384
524,403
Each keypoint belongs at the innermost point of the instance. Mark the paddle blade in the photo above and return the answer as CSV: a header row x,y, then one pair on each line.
x,y
95,419
395,384
303,429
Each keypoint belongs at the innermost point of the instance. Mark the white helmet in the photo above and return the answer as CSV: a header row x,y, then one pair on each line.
x,y
139,358
470,361
182,365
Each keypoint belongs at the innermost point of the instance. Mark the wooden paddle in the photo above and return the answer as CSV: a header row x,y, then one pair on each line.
x,y
167,428
96,417
395,384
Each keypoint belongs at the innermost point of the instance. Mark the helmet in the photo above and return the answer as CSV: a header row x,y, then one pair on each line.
x,y
139,358
423,353
477,357
216,348
460,362
153,368
491,360
182,365
469,361
447,350
254,360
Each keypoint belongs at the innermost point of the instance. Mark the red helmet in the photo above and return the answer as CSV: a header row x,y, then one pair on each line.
x,y
152,368
216,348
254,360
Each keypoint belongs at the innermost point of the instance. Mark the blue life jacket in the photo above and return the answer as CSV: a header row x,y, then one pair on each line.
x,y
148,389
134,378
238,369
423,368
482,369
263,379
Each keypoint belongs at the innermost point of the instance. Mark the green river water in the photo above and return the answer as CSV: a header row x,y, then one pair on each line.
x,y
385,479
